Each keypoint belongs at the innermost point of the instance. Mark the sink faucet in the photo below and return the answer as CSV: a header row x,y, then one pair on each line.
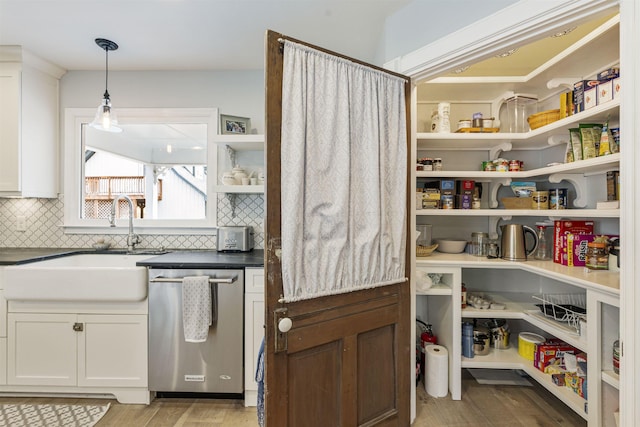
x,y
132,239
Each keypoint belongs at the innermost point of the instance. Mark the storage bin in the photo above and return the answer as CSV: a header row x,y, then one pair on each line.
x,y
527,342
519,107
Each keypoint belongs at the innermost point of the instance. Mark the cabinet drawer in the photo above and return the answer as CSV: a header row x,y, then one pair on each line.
x,y
254,280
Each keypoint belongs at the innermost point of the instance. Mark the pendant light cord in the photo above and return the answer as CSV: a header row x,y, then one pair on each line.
x,y
106,74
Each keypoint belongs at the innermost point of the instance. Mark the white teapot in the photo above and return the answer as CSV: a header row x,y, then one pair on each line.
x,y
238,174
228,178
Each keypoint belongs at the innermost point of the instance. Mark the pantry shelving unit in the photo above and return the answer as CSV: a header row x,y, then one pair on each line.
x,y
440,304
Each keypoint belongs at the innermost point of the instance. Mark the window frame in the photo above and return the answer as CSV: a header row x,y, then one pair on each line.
x,y
73,174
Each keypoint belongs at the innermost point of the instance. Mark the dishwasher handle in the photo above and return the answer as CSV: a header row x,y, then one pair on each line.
x,y
161,279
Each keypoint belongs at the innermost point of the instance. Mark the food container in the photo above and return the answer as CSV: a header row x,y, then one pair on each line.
x,y
558,198
527,342
540,200
519,107
464,124
487,123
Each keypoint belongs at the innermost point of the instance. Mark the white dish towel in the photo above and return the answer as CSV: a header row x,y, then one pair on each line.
x,y
196,308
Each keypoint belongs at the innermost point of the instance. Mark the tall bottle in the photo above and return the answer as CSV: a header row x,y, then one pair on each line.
x,y
543,252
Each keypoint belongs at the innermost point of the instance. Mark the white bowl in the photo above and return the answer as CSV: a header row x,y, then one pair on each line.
x,y
451,246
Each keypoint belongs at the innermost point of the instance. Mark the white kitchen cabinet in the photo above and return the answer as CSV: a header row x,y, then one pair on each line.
x,y
83,350
112,351
253,330
28,124
3,331
514,283
42,349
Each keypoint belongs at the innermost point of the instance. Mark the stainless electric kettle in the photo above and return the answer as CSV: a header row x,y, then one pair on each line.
x,y
514,245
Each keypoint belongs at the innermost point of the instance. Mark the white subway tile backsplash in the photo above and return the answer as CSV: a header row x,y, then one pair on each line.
x,y
44,219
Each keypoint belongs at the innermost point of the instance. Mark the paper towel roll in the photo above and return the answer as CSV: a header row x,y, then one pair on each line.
x,y
437,370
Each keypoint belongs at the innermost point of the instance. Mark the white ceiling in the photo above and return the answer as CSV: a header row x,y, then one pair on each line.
x,y
187,34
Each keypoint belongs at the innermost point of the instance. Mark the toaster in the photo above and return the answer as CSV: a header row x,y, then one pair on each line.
x,y
234,239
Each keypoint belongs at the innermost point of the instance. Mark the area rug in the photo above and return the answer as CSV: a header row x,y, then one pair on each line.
x,y
51,415
499,377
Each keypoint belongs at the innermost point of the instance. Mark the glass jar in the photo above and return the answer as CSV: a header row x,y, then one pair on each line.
x,y
597,256
437,164
478,246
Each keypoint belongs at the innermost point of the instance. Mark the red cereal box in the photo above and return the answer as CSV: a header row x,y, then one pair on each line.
x,y
563,227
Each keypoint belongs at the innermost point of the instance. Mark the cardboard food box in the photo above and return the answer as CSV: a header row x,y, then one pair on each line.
x,y
605,92
447,187
552,355
463,201
590,97
563,227
616,88
579,89
465,186
576,383
609,74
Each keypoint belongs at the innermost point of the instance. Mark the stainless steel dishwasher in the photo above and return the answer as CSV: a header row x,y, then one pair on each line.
x,y
213,366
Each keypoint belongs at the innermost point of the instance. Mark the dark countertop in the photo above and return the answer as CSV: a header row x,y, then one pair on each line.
x,y
206,259
176,259
13,256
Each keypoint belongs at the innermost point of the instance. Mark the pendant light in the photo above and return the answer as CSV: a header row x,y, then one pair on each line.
x,y
105,117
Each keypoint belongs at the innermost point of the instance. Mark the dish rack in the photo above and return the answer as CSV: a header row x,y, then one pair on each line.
x,y
567,308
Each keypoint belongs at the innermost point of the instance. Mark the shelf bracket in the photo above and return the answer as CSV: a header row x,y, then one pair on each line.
x,y
494,186
493,225
565,82
579,182
496,104
554,140
231,197
494,152
232,155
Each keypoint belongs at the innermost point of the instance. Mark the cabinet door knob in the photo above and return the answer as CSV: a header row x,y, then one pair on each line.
x,y
78,327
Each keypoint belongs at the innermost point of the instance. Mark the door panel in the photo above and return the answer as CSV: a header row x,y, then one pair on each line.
x,y
346,360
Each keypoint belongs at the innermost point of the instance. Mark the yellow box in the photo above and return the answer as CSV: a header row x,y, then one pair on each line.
x,y
527,342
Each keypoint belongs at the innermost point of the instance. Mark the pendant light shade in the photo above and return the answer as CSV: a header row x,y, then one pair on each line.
x,y
105,118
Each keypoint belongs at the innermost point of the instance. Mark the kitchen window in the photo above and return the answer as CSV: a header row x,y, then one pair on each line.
x,y
164,161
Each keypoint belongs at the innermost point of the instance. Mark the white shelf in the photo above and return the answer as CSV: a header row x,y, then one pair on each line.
x,y
596,165
551,213
239,189
251,142
558,329
522,306
436,290
611,378
510,359
532,140
599,280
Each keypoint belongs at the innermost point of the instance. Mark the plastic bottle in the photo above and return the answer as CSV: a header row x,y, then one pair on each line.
x,y
463,292
542,252
467,340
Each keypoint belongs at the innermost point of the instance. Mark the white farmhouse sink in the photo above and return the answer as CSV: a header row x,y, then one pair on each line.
x,y
83,277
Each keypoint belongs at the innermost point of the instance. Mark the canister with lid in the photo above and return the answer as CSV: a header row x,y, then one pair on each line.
x,y
597,257
478,246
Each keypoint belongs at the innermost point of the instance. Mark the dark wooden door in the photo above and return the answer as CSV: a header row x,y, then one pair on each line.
x,y
347,357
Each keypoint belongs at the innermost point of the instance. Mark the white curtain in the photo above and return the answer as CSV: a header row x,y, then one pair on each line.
x,y
344,168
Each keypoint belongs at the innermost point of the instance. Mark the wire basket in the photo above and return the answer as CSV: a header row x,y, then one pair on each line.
x,y
568,308
543,118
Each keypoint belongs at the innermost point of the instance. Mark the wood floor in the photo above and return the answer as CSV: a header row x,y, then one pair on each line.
x,y
482,406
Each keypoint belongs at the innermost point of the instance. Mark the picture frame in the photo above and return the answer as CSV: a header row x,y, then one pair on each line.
x,y
234,125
